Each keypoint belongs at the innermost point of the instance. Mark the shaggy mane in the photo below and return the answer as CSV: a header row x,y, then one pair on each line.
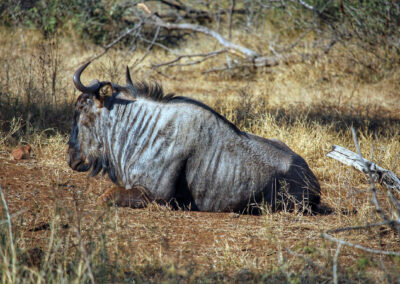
x,y
152,91
155,92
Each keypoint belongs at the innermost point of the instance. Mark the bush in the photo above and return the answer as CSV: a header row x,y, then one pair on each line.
x,y
98,21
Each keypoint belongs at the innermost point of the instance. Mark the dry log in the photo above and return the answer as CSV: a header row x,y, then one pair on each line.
x,y
379,174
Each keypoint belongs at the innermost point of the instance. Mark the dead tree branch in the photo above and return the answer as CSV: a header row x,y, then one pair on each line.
x,y
378,208
375,173
232,47
379,174
150,46
251,57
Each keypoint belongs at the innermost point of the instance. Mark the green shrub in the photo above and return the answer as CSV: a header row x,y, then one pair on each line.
x,y
98,21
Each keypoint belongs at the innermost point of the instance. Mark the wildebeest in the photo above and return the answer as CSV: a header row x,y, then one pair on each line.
x,y
173,148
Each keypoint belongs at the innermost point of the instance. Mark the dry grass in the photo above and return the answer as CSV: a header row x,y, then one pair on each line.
x,y
62,236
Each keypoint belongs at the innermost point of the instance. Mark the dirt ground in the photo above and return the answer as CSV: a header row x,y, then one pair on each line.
x,y
36,193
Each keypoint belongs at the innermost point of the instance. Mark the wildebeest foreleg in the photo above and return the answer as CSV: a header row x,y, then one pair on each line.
x,y
135,197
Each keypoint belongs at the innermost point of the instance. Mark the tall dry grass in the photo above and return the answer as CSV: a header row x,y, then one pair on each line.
x,y
309,105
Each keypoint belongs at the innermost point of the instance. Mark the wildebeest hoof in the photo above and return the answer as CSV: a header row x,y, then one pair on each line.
x,y
119,196
108,197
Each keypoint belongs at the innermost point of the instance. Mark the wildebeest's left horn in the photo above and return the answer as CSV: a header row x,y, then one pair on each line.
x,y
128,77
78,84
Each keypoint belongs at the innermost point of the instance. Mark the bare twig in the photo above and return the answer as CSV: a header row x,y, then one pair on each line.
x,y
375,251
204,55
328,47
117,40
305,5
335,263
159,45
149,47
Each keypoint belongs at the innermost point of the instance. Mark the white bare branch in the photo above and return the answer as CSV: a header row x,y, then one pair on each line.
x,y
349,158
308,6
232,47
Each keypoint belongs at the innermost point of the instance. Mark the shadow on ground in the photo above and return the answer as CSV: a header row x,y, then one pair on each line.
x,y
374,119
34,117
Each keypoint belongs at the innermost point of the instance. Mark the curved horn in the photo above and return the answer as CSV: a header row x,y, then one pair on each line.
x,y
128,77
78,84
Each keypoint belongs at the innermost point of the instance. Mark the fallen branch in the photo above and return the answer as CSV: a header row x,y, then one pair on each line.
x,y
375,173
394,225
379,174
232,47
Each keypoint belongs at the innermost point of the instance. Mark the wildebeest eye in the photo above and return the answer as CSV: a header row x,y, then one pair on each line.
x,y
84,104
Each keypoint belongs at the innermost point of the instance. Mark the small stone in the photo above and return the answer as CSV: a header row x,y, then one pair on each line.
x,y
22,152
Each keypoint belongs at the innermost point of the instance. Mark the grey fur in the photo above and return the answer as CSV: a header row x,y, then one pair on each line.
x,y
180,149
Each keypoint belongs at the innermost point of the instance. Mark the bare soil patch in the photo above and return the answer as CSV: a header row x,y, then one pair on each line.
x,y
192,244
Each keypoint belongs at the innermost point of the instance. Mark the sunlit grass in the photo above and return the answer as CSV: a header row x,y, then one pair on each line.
x,y
308,105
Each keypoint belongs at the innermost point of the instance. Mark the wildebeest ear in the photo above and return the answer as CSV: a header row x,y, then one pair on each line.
x,y
104,92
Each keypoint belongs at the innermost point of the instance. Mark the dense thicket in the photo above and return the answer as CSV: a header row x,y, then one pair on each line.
x,y
374,22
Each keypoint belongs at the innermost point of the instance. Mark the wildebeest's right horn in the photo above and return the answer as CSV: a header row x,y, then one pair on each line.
x,y
78,84
128,77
